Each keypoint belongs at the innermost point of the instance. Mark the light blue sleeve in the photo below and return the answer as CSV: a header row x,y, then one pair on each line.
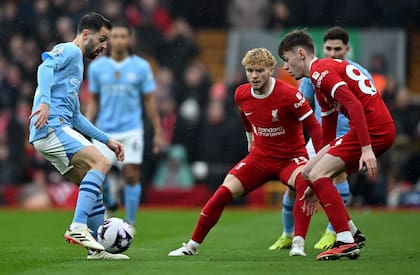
x,y
149,83
45,77
307,89
83,125
92,78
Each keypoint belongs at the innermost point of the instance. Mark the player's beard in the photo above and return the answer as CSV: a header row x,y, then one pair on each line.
x,y
90,51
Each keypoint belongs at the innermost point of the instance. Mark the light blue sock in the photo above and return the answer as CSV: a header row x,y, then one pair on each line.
x,y
89,190
132,194
96,218
344,189
287,214
108,200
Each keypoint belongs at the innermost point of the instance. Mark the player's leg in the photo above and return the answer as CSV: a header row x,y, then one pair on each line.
x,y
133,144
58,147
132,191
210,214
110,202
328,238
320,177
89,191
285,240
246,176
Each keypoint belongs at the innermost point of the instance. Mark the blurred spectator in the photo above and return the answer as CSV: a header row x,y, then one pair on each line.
x,y
174,172
221,143
151,21
178,48
248,14
280,15
379,70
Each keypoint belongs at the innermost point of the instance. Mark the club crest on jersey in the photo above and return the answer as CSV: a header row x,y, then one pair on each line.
x,y
275,115
117,74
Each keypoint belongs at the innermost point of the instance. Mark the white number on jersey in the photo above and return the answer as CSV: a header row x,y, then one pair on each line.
x,y
361,79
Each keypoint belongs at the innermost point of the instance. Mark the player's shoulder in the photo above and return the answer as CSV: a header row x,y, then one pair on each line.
x,y
67,49
243,90
138,60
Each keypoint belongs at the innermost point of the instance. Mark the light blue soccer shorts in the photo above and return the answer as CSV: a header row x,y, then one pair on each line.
x,y
59,146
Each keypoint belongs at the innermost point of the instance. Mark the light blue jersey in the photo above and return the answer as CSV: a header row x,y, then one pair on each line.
x,y
307,89
59,78
120,86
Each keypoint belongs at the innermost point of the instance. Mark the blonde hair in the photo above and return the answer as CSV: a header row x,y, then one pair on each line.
x,y
259,57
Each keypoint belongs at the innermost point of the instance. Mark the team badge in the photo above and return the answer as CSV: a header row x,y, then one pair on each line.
x,y
275,115
117,74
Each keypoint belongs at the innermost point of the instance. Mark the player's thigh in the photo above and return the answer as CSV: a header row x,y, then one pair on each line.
x,y
60,146
234,185
253,171
314,160
90,156
108,153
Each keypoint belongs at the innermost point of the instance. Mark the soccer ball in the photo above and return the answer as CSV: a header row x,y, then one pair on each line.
x,y
115,235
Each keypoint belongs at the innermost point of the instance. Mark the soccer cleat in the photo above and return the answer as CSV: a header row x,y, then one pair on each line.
x,y
298,247
283,242
83,238
340,249
184,250
359,238
103,255
327,240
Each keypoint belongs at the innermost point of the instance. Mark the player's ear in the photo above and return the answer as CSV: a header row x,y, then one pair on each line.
x,y
85,34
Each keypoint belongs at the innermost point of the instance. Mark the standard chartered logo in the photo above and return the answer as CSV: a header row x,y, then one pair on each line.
x,y
269,132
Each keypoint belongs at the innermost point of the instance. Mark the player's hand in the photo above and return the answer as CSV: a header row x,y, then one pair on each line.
x,y
368,161
117,148
310,201
43,113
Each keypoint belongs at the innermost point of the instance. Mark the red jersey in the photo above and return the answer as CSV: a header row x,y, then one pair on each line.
x,y
329,74
275,119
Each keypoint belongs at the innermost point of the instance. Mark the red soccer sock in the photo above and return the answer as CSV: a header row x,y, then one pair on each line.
x,y
301,219
211,213
332,203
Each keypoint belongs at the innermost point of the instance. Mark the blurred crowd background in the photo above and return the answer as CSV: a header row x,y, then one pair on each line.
x,y
204,135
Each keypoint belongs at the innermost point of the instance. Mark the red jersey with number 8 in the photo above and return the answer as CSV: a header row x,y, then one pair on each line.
x,y
329,74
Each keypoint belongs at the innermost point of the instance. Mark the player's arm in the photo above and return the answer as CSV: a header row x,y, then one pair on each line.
x,y
92,107
329,126
45,77
307,89
153,115
248,130
315,131
355,109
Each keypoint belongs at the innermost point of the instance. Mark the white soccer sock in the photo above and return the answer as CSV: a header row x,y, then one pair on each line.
x,y
352,226
345,237
193,244
76,225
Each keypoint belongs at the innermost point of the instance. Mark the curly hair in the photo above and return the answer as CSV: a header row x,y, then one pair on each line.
x,y
259,57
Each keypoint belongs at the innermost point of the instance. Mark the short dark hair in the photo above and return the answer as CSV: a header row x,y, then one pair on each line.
x,y
337,33
123,24
93,21
294,39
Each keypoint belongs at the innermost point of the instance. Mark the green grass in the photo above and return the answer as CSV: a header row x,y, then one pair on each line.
x,y
32,243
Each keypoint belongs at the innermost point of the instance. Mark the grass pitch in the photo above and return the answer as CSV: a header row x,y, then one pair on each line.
x,y
32,243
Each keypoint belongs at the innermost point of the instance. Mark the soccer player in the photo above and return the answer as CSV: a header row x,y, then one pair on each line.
x,y
335,46
118,83
273,113
339,87
56,128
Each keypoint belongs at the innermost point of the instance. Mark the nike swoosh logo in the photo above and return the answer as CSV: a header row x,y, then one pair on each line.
x,y
248,114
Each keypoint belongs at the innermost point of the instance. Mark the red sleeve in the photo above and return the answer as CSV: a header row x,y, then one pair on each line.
x,y
315,131
356,113
247,124
329,127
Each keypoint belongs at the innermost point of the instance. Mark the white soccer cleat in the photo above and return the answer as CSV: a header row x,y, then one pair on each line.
x,y
298,247
184,250
83,237
103,255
